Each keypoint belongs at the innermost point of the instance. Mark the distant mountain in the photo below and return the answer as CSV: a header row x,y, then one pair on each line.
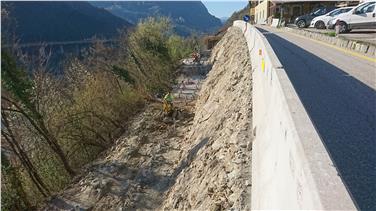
x,y
238,15
224,19
187,16
61,21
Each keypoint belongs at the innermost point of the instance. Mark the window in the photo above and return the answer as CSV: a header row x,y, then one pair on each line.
x,y
365,8
346,10
370,8
320,11
335,12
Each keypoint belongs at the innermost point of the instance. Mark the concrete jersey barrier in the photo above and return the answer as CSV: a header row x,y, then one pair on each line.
x,y
291,168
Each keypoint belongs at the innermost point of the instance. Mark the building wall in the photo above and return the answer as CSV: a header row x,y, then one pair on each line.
x,y
262,12
291,10
252,10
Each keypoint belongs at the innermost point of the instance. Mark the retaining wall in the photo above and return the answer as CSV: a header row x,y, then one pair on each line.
x,y
291,168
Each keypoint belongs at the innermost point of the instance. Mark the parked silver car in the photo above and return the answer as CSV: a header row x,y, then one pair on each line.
x,y
321,22
362,16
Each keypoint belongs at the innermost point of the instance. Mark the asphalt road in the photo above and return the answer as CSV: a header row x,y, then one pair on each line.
x,y
337,89
363,35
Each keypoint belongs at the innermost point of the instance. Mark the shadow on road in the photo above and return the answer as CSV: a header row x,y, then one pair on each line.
x,y
343,110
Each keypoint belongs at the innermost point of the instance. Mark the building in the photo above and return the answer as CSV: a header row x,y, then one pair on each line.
x,y
288,10
252,10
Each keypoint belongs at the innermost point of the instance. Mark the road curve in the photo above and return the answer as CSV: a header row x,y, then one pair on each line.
x,y
337,90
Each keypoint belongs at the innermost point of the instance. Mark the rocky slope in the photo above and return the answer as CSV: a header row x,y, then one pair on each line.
x,y
201,161
218,151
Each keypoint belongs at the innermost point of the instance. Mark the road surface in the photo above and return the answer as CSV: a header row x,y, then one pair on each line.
x,y
363,35
337,88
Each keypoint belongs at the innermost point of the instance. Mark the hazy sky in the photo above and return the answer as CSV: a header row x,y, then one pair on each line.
x,y
224,8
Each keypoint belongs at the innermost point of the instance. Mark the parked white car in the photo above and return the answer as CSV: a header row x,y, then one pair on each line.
x,y
321,22
362,16
332,22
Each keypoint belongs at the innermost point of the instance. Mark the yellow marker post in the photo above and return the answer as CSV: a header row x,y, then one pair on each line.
x,y
263,65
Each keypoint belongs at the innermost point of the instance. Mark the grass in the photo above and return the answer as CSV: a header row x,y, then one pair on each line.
x,y
331,34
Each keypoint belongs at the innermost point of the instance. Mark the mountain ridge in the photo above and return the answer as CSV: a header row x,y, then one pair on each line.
x,y
62,21
189,17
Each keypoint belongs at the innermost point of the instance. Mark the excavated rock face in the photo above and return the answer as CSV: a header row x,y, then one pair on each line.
x,y
215,173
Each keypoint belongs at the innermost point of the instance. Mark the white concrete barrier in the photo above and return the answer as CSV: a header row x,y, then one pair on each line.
x,y
291,168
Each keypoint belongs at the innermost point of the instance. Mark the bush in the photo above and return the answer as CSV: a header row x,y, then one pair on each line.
x,y
153,53
178,48
331,34
85,110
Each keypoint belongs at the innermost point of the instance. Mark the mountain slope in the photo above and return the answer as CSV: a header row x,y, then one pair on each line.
x,y
62,21
188,16
238,15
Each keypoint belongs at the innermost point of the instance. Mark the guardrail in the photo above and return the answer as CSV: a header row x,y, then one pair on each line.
x,y
291,168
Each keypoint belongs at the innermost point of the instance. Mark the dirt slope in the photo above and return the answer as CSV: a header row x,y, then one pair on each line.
x,y
201,161
142,165
218,152
135,173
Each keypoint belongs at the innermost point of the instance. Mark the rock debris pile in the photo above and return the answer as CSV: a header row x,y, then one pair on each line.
x,y
217,175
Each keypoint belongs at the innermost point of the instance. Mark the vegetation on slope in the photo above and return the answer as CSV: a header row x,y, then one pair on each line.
x,y
237,16
188,17
53,125
44,21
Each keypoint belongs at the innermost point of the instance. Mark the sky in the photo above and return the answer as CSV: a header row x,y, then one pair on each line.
x,y
224,8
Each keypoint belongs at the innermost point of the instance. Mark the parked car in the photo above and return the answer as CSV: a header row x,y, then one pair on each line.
x,y
332,22
362,16
305,20
321,22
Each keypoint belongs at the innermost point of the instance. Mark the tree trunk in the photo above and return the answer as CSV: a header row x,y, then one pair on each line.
x,y
22,156
43,131
57,149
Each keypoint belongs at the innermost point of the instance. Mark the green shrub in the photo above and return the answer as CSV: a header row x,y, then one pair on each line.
x,y
85,110
331,34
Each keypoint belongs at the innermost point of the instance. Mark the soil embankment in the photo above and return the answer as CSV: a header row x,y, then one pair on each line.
x,y
201,161
217,172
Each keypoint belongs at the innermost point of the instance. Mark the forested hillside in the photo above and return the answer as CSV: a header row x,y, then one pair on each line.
x,y
238,15
60,21
187,16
